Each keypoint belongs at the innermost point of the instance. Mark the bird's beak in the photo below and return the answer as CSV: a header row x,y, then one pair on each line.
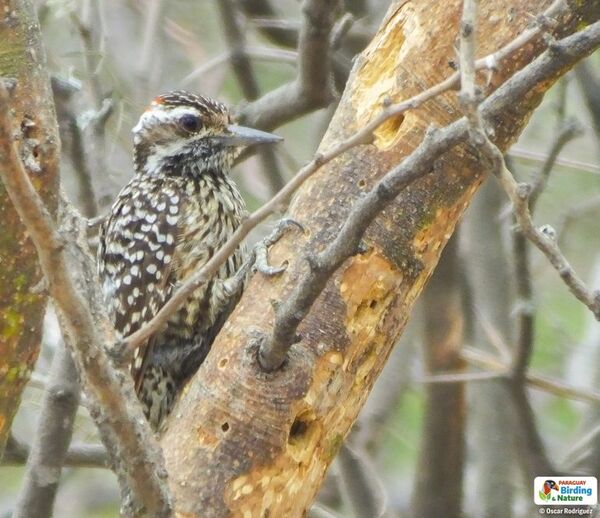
x,y
242,136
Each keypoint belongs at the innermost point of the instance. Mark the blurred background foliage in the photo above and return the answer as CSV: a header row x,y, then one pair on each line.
x,y
128,51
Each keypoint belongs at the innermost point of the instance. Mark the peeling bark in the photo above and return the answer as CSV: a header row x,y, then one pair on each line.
x,y
22,58
245,443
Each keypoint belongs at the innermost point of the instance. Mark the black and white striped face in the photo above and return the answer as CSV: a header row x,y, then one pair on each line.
x,y
185,134
181,125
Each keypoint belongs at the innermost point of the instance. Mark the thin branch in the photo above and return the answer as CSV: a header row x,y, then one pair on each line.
x,y
461,377
488,362
494,337
283,34
525,305
320,511
77,456
234,36
590,85
72,139
362,136
519,195
362,487
531,446
92,60
468,87
526,314
532,156
564,135
312,89
258,53
273,349
244,72
117,412
148,55
592,204
51,440
583,451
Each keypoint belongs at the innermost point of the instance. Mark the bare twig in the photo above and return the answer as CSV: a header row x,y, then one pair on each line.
x,y
285,35
525,305
564,135
362,488
77,456
90,28
468,87
73,140
312,88
592,204
461,377
51,440
590,84
117,412
257,53
526,314
236,40
540,158
320,511
244,72
583,455
519,194
488,362
148,56
529,441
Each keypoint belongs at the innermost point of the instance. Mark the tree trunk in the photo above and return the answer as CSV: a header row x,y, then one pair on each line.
x,y
22,58
492,420
245,443
442,449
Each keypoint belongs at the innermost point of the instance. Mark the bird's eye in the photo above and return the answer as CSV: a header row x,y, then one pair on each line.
x,y
190,122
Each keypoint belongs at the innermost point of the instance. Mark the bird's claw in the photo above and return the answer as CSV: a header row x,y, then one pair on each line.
x,y
261,263
268,270
282,226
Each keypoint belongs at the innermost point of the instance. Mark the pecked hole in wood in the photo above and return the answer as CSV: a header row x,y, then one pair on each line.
x,y
300,427
223,363
225,427
388,132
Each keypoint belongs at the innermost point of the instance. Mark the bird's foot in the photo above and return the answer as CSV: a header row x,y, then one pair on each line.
x,y
233,285
261,262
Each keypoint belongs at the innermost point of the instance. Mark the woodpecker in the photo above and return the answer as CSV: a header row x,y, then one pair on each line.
x,y
179,208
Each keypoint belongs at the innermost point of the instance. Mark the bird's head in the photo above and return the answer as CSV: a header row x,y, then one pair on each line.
x,y
182,130
550,485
